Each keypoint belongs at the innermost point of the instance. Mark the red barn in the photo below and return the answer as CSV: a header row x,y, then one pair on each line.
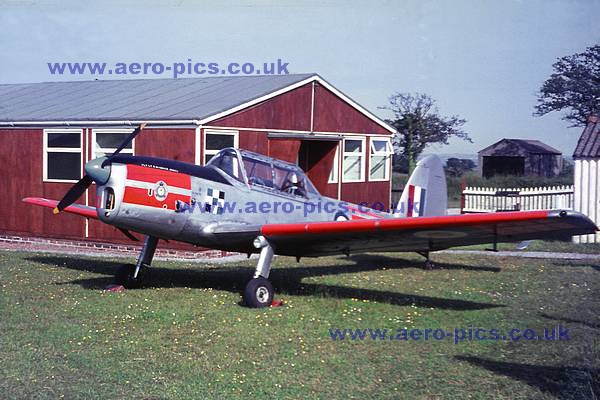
x,y
48,131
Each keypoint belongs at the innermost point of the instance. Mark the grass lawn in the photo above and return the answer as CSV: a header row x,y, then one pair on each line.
x,y
186,336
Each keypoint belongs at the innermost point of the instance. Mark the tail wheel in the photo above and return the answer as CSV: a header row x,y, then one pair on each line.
x,y
258,293
429,265
125,277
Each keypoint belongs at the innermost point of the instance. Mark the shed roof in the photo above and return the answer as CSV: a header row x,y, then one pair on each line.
x,y
135,99
176,101
589,141
523,145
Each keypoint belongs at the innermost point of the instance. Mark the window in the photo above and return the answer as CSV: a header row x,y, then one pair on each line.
x,y
354,160
106,141
333,175
218,140
381,153
62,155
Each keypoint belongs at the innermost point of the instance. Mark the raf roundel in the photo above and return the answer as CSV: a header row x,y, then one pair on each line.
x,y
161,191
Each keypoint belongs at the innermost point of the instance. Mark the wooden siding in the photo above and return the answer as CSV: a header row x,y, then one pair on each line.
x,y
21,159
373,192
332,114
292,111
254,141
289,110
284,149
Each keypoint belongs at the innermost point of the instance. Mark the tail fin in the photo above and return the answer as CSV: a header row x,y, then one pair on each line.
x,y
425,192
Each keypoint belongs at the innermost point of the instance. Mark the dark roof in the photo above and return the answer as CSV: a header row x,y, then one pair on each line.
x,y
135,99
519,145
589,141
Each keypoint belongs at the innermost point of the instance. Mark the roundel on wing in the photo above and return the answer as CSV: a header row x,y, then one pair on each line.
x,y
431,234
161,191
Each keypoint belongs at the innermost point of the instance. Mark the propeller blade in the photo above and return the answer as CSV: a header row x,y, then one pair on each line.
x,y
73,194
128,140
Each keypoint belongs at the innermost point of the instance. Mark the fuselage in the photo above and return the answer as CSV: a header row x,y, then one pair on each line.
x,y
197,204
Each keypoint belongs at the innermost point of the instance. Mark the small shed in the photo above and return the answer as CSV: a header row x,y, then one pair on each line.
x,y
520,157
587,179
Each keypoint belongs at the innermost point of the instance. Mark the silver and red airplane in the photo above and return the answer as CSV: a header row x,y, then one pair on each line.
x,y
249,203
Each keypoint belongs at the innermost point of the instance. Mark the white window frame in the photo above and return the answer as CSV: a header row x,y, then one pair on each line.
x,y
206,132
47,150
387,153
108,150
335,168
362,156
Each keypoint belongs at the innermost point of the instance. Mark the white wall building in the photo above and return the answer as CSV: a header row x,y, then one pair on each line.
x,y
587,177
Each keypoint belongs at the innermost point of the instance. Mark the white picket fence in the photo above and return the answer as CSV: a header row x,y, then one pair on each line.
x,y
482,200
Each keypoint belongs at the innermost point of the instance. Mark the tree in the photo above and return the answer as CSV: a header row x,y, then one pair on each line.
x,y
418,123
573,87
458,166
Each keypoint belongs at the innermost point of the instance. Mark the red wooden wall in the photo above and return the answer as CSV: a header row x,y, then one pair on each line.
x,y
289,110
21,161
331,114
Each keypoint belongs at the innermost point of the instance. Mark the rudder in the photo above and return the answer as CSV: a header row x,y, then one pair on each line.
x,y
425,193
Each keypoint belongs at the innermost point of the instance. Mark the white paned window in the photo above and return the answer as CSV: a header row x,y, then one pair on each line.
x,y
62,155
381,156
354,160
106,141
216,140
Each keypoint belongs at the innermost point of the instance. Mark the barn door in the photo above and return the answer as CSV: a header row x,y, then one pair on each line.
x,y
315,157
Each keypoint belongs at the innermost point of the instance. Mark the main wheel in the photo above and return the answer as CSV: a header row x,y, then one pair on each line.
x,y
429,265
258,293
340,216
125,277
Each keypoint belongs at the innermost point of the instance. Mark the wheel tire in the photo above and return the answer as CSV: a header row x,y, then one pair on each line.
x,y
429,265
258,293
340,216
125,277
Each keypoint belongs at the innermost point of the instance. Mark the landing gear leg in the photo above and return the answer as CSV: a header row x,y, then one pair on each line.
x,y
259,291
428,265
132,276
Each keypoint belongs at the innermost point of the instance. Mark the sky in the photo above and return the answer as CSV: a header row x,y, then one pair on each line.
x,y
481,60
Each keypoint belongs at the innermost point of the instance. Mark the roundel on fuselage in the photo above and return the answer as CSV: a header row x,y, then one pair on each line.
x,y
161,191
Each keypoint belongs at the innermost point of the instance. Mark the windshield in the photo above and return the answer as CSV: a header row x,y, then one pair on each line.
x,y
264,172
227,161
276,175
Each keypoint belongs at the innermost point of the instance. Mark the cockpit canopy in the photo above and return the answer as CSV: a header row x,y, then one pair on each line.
x,y
264,172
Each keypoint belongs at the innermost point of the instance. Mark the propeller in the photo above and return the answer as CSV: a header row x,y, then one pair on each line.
x,y
95,172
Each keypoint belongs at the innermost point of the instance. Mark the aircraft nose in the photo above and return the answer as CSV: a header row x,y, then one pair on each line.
x,y
99,173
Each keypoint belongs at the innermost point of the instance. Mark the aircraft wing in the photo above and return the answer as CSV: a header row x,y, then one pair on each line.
x,y
424,233
79,209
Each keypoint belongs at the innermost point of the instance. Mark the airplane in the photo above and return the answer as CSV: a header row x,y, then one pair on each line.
x,y
242,201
